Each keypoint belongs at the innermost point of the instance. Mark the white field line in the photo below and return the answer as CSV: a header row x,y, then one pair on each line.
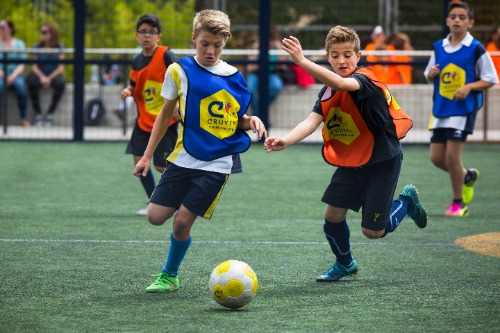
x,y
207,242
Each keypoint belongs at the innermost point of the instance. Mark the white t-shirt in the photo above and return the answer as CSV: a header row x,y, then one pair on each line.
x,y
175,88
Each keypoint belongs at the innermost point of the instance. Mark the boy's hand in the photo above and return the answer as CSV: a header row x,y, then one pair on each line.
x,y
294,49
274,144
462,93
256,125
142,167
434,71
125,93
176,115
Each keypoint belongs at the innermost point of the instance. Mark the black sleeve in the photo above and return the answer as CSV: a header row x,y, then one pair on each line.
x,y
366,88
169,57
317,106
137,62
372,104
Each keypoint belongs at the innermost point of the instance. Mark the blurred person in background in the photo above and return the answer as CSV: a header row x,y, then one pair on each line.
x,y
494,46
401,42
14,78
384,72
378,43
275,80
146,80
44,75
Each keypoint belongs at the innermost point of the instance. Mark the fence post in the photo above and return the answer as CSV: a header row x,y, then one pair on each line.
x,y
264,20
79,70
485,116
4,95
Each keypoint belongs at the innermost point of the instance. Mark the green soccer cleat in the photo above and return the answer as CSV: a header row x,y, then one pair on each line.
x,y
338,271
468,191
415,211
164,283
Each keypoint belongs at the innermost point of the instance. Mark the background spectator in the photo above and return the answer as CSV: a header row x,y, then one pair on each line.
x,y
275,80
14,77
494,46
401,42
378,43
45,75
385,73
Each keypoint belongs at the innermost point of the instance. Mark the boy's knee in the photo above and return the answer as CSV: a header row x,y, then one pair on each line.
x,y
157,214
155,220
373,234
156,217
437,160
335,215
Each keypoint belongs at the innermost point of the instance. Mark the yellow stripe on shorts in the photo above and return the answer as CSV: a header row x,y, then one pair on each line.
x,y
210,210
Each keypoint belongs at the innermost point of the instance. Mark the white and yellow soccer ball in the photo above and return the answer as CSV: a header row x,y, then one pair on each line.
x,y
233,284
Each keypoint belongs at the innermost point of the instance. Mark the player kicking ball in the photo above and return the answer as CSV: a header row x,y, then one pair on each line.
x,y
362,126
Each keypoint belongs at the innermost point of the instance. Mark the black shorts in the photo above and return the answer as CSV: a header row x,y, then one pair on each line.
x,y
198,190
441,135
371,187
139,141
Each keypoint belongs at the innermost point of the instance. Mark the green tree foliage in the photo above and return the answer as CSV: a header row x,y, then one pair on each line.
x,y
111,24
28,15
108,24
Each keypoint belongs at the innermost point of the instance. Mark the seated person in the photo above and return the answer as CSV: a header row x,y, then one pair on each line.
x,y
13,78
45,75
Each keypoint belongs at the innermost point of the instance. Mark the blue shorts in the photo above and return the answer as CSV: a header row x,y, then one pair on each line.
x,y
441,135
198,190
371,187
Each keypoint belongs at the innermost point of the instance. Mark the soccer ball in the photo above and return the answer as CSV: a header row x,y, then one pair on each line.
x,y
233,284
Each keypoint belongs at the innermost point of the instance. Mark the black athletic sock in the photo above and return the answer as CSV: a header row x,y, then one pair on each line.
x,y
337,235
468,176
148,182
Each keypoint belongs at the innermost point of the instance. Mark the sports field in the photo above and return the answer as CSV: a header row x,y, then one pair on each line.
x,y
75,258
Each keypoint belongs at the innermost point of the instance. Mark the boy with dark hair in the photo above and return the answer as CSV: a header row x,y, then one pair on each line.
x,y
212,98
146,78
460,69
362,127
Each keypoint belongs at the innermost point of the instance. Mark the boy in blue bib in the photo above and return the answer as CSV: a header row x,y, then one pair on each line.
x,y
212,99
460,70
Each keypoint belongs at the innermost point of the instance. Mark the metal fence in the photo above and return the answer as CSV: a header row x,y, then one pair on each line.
x,y
310,21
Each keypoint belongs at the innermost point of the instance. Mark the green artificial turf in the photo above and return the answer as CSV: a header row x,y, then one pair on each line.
x,y
75,258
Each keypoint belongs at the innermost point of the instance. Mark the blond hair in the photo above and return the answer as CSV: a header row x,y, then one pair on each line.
x,y
213,21
340,34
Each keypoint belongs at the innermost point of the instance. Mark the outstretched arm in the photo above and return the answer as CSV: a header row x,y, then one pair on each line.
x,y
159,129
300,132
326,76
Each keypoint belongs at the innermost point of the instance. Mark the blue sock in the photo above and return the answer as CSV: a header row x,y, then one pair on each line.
x,y
399,210
148,182
176,254
337,235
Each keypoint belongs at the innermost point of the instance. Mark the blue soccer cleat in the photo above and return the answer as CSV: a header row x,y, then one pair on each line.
x,y
338,271
415,210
